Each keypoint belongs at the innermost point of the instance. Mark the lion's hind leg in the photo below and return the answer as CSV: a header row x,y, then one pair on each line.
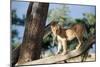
x,y
79,42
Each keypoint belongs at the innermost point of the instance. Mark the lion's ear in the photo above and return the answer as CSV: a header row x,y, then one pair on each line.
x,y
58,29
58,26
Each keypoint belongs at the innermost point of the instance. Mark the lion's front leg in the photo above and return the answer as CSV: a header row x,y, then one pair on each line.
x,y
64,44
59,47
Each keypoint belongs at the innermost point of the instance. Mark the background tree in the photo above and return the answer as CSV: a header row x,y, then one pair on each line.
x,y
90,20
59,14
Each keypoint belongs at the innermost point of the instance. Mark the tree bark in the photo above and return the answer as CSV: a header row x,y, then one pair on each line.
x,y
30,48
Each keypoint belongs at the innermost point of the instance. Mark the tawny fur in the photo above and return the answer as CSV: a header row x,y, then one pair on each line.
x,y
64,35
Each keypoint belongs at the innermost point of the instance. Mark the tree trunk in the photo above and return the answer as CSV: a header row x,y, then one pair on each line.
x,y
35,23
15,52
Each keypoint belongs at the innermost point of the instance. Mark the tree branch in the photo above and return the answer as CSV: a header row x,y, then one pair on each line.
x,y
71,54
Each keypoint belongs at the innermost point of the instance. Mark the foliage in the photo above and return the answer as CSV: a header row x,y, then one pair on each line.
x,y
15,21
91,18
47,42
14,46
59,14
